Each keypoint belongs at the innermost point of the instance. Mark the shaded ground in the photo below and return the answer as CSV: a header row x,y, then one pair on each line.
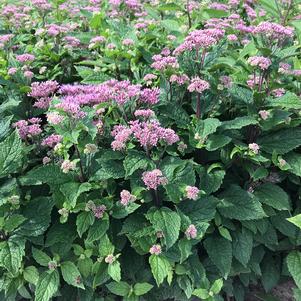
x,y
283,292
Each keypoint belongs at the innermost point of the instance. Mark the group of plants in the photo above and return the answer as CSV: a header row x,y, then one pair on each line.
x,y
149,149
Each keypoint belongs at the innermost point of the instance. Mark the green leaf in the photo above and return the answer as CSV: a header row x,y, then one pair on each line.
x,y
11,254
40,257
71,274
238,204
31,274
238,123
270,273
217,286
83,221
273,196
13,222
281,142
201,293
119,288
215,142
135,160
219,250
207,126
185,246
105,246
242,246
202,210
98,229
73,190
47,285
294,161
211,181
109,170
296,220
287,101
294,266
50,174
160,267
141,289
10,154
114,271
167,221
171,25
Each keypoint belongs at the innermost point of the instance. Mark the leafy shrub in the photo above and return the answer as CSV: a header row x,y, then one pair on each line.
x,y
149,151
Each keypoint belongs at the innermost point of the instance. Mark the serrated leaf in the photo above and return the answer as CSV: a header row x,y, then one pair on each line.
x,y
160,267
11,254
242,246
201,293
114,271
287,101
294,161
119,288
219,250
296,220
31,274
71,274
40,257
238,123
294,266
83,221
13,222
141,289
10,154
270,273
273,196
217,286
281,142
98,229
47,285
215,142
167,221
207,126
73,190
238,204
135,160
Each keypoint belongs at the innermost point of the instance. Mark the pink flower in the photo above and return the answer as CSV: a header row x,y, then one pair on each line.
x,y
122,135
52,140
110,259
232,37
179,79
25,58
150,96
28,74
191,232
99,211
278,92
198,85
54,118
155,249
254,147
126,197
264,114
68,165
152,179
192,192
144,113
262,62
46,160
12,71
127,42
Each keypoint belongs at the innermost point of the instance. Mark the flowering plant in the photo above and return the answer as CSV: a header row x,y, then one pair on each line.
x,y
149,150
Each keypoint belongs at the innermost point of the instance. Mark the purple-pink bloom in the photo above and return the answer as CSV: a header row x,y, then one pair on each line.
x,y
254,147
155,249
152,179
192,192
126,197
191,232
198,85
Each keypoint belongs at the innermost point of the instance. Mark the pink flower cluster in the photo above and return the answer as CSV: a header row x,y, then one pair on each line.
x,y
179,79
99,211
273,30
42,5
144,113
254,147
191,232
192,192
52,140
163,63
28,128
25,58
198,85
199,39
42,92
147,133
150,96
126,197
260,61
152,179
155,249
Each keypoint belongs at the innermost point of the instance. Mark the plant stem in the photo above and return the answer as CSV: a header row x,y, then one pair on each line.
x,y
82,175
188,14
198,106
